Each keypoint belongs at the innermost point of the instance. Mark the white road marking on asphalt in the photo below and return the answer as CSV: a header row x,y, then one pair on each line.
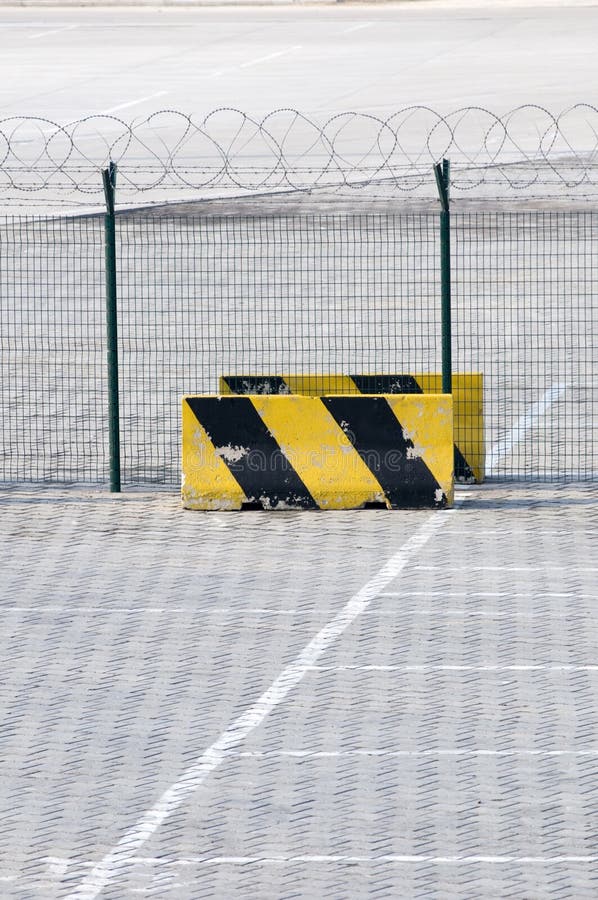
x,y
434,668
111,864
356,27
512,595
335,754
161,610
537,532
57,865
351,860
261,59
42,34
503,568
523,425
162,861
305,615
483,613
113,109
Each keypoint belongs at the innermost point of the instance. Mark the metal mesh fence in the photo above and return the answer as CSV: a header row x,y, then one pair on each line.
x,y
52,351
199,297
525,299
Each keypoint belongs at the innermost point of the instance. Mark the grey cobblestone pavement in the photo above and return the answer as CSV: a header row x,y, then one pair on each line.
x,y
159,690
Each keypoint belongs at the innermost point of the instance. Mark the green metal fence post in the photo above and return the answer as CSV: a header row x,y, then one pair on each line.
x,y
442,174
109,179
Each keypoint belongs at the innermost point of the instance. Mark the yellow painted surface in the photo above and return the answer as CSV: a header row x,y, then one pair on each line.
x,y
207,482
468,405
319,451
428,422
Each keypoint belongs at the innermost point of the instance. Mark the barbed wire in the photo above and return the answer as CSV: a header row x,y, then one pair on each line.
x,y
526,148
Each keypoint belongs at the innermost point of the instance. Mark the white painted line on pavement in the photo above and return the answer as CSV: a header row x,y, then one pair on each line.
x,y
262,59
512,595
56,866
112,863
113,109
157,610
504,568
336,754
305,616
415,858
162,862
368,860
519,535
434,668
522,426
356,27
483,613
42,34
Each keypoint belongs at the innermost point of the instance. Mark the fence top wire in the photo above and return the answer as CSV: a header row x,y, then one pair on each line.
x,y
528,151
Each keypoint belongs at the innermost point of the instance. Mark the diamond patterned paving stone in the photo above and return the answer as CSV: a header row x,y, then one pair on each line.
x,y
443,745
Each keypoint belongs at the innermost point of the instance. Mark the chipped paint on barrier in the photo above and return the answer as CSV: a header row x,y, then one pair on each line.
x,y
231,454
300,452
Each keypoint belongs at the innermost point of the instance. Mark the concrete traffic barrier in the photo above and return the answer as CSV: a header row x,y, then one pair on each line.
x,y
304,452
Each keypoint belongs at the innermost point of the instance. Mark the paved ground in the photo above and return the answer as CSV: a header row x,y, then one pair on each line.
x,y
320,59
299,705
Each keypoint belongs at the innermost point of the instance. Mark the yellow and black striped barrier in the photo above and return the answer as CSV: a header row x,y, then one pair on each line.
x,y
303,452
468,402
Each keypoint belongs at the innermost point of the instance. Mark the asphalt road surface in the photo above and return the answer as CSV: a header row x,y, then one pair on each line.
x,y
69,63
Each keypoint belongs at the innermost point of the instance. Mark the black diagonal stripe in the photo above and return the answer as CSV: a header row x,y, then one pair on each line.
x,y
463,471
386,384
263,472
256,384
377,435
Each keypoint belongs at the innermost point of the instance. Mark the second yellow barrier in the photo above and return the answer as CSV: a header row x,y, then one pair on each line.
x,y
468,402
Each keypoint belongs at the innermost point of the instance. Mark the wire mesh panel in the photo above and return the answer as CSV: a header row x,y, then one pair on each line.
x,y
52,355
200,297
318,295
525,289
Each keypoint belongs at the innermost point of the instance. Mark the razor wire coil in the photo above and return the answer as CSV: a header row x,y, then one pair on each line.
x,y
286,150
